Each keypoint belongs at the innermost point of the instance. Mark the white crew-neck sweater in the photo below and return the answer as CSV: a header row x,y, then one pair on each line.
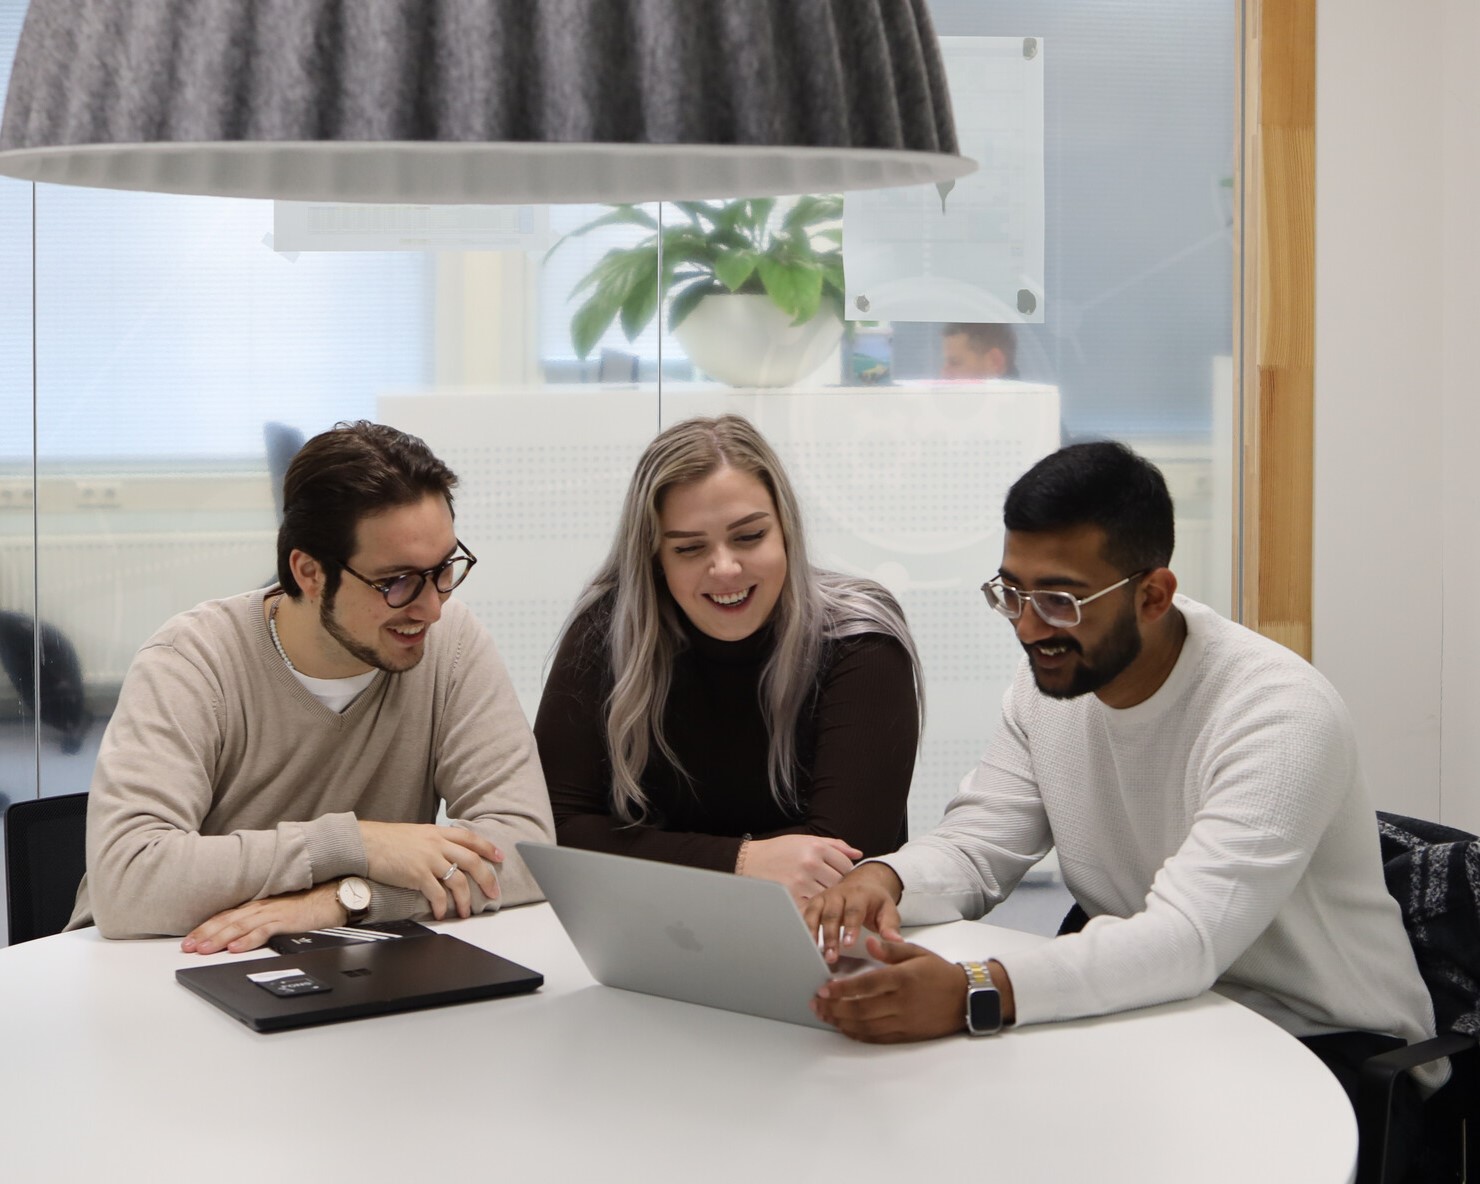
x,y
1217,833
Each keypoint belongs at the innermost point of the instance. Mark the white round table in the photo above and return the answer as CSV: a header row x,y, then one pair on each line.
x,y
112,1071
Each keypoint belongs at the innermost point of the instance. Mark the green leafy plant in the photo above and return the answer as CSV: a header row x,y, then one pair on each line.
x,y
714,247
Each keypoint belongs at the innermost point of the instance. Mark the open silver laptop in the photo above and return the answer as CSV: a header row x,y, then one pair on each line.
x,y
684,933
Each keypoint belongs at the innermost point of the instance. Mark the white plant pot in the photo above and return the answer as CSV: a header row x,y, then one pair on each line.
x,y
747,341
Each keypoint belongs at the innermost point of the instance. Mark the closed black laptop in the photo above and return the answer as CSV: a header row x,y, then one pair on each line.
x,y
370,978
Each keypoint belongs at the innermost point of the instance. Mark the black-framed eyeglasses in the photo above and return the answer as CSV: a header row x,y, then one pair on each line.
x,y
399,591
1059,609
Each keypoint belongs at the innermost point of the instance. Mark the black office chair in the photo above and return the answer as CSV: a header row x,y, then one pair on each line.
x,y
62,703
1434,873
281,442
1074,920
45,856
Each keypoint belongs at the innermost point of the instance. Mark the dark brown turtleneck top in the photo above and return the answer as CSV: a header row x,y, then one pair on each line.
x,y
855,746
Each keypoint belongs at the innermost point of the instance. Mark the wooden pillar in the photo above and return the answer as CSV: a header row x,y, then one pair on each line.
x,y
1275,316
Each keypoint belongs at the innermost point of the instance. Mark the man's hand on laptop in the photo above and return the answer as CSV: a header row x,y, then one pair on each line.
x,y
865,898
917,997
250,925
805,864
435,860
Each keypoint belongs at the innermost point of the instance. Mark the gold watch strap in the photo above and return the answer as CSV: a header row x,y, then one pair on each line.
x,y
976,974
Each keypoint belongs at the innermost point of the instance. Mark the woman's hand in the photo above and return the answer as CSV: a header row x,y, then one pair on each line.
x,y
805,864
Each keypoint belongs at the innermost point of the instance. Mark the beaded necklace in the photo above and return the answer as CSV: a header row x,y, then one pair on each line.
x,y
272,628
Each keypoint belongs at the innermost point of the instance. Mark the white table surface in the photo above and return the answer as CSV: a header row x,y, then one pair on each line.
x,y
112,1071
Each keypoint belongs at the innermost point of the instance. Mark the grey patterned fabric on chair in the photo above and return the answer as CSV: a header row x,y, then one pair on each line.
x,y
1433,871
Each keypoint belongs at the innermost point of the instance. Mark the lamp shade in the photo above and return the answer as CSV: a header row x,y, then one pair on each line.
x,y
479,101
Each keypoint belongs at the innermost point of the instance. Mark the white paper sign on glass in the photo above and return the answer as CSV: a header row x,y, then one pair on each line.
x,y
976,253
372,226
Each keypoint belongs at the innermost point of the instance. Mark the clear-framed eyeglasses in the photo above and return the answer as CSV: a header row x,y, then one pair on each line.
x,y
1059,609
399,591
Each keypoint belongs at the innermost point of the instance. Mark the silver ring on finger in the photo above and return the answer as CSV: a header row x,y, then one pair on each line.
x,y
449,873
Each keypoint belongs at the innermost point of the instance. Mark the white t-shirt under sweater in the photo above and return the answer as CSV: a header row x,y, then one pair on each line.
x,y
1217,833
222,779
336,693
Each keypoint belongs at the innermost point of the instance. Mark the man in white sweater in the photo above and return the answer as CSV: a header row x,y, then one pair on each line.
x,y
277,759
1199,782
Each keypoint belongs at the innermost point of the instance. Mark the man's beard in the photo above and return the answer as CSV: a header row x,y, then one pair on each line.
x,y
364,653
1099,668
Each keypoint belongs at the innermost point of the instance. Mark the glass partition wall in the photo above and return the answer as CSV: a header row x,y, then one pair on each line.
x,y
161,357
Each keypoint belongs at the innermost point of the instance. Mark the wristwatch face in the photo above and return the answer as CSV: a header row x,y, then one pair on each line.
x,y
354,894
983,1011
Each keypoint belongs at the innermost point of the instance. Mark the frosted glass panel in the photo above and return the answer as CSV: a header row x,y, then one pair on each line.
x,y
18,656
905,485
542,475
170,327
1138,166
180,351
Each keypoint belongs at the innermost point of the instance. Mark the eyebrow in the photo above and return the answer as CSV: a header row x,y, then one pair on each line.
x,y
392,571
735,525
1047,582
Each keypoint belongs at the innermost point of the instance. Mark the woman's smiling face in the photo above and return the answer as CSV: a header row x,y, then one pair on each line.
x,y
722,552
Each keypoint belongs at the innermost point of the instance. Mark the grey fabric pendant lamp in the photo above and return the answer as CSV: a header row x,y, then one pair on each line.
x,y
479,101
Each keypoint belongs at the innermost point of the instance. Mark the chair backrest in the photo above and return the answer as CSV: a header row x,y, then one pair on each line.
x,y
1434,873
63,702
282,442
617,366
45,857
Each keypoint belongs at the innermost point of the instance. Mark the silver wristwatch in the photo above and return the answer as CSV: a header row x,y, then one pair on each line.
x,y
354,895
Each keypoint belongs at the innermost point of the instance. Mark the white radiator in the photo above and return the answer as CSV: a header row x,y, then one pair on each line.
x,y
109,592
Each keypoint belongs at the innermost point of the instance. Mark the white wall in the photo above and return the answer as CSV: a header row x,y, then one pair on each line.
x,y
1460,294
1396,485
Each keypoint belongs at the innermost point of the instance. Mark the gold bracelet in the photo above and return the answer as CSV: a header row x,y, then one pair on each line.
x,y
740,859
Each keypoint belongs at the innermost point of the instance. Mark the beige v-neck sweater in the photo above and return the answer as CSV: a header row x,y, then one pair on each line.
x,y
221,779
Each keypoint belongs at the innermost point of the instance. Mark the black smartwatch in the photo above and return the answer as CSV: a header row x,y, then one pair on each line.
x,y
983,1001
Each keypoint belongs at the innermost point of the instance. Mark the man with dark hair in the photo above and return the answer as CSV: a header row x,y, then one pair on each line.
x,y
979,350
1199,782
277,759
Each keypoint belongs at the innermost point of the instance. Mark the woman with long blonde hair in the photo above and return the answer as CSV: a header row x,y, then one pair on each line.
x,y
717,701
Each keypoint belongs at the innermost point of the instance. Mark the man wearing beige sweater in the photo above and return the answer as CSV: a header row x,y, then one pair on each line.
x,y
277,759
